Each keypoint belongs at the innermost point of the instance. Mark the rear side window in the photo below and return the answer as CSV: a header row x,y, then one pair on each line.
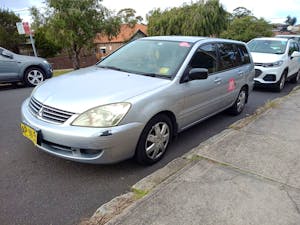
x,y
229,56
245,57
205,57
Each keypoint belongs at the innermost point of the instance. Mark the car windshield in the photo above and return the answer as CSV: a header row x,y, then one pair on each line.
x,y
155,58
268,46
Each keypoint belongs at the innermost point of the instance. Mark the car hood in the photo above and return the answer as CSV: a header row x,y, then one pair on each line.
x,y
28,58
86,88
265,57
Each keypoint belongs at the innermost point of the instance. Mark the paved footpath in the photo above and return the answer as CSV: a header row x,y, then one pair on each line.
x,y
248,174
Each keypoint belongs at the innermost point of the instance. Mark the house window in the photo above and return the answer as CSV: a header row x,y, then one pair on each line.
x,y
103,50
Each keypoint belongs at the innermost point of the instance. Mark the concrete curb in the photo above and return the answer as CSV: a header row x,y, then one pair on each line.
x,y
122,204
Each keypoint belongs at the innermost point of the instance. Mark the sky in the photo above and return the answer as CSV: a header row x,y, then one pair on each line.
x,y
268,9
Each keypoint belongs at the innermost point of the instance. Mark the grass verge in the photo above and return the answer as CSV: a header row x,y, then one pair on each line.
x,y
60,72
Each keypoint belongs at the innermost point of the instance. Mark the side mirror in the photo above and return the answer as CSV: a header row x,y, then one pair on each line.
x,y
7,54
198,74
295,54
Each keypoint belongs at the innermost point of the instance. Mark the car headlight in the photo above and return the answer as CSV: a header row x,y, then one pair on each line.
x,y
48,64
274,64
103,116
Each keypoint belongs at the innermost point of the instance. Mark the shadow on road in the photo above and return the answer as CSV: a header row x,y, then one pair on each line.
x,y
4,87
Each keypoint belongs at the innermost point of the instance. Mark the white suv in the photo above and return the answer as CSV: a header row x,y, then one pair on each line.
x,y
276,60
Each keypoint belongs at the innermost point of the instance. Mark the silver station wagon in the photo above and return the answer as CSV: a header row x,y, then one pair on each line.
x,y
134,101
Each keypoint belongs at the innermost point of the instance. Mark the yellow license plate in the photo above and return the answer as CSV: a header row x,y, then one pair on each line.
x,y
30,133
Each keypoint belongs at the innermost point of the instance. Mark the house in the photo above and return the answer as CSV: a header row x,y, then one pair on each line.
x,y
106,45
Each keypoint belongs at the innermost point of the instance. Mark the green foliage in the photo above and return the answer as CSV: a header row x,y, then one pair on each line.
x,y
240,12
9,37
139,193
246,28
128,16
45,45
200,19
73,24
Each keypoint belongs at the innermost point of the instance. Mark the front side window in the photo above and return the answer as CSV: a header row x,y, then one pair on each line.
x,y
205,57
158,58
293,47
268,46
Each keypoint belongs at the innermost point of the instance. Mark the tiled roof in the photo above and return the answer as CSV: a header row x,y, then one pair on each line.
x,y
126,33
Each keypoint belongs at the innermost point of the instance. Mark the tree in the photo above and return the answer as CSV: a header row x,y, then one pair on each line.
x,y
291,21
128,16
203,18
246,28
9,37
45,46
73,24
240,12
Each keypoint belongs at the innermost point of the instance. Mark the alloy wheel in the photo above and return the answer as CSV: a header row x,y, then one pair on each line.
x,y
157,140
35,77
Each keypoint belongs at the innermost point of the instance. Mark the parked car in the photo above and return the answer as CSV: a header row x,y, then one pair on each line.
x,y
135,100
290,36
276,61
28,69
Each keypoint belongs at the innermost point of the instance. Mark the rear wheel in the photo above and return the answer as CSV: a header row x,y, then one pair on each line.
x,y
296,78
154,140
33,76
239,103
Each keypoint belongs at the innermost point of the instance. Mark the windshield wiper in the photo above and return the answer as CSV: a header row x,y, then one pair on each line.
x,y
111,68
155,75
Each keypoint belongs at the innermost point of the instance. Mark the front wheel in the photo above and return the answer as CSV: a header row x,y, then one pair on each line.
x,y
239,103
280,84
33,76
154,140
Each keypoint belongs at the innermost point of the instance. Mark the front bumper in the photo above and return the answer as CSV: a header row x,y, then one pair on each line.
x,y
82,144
267,76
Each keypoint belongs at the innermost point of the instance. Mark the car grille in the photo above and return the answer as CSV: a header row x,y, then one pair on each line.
x,y
257,72
48,113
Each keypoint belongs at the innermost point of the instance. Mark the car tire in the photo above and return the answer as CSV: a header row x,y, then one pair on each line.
x,y
281,83
33,76
239,103
154,140
296,78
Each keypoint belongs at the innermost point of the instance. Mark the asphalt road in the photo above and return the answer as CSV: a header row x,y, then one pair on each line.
x,y
39,189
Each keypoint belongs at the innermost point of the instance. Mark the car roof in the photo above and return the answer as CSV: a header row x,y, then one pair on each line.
x,y
272,38
191,39
287,35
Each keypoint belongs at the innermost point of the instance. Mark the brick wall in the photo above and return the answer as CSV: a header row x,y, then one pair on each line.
x,y
63,62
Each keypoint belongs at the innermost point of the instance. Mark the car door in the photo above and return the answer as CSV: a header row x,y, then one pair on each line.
x,y
293,62
232,72
8,67
202,97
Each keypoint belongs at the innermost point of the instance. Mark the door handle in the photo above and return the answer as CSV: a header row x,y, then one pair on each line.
x,y
218,80
240,73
